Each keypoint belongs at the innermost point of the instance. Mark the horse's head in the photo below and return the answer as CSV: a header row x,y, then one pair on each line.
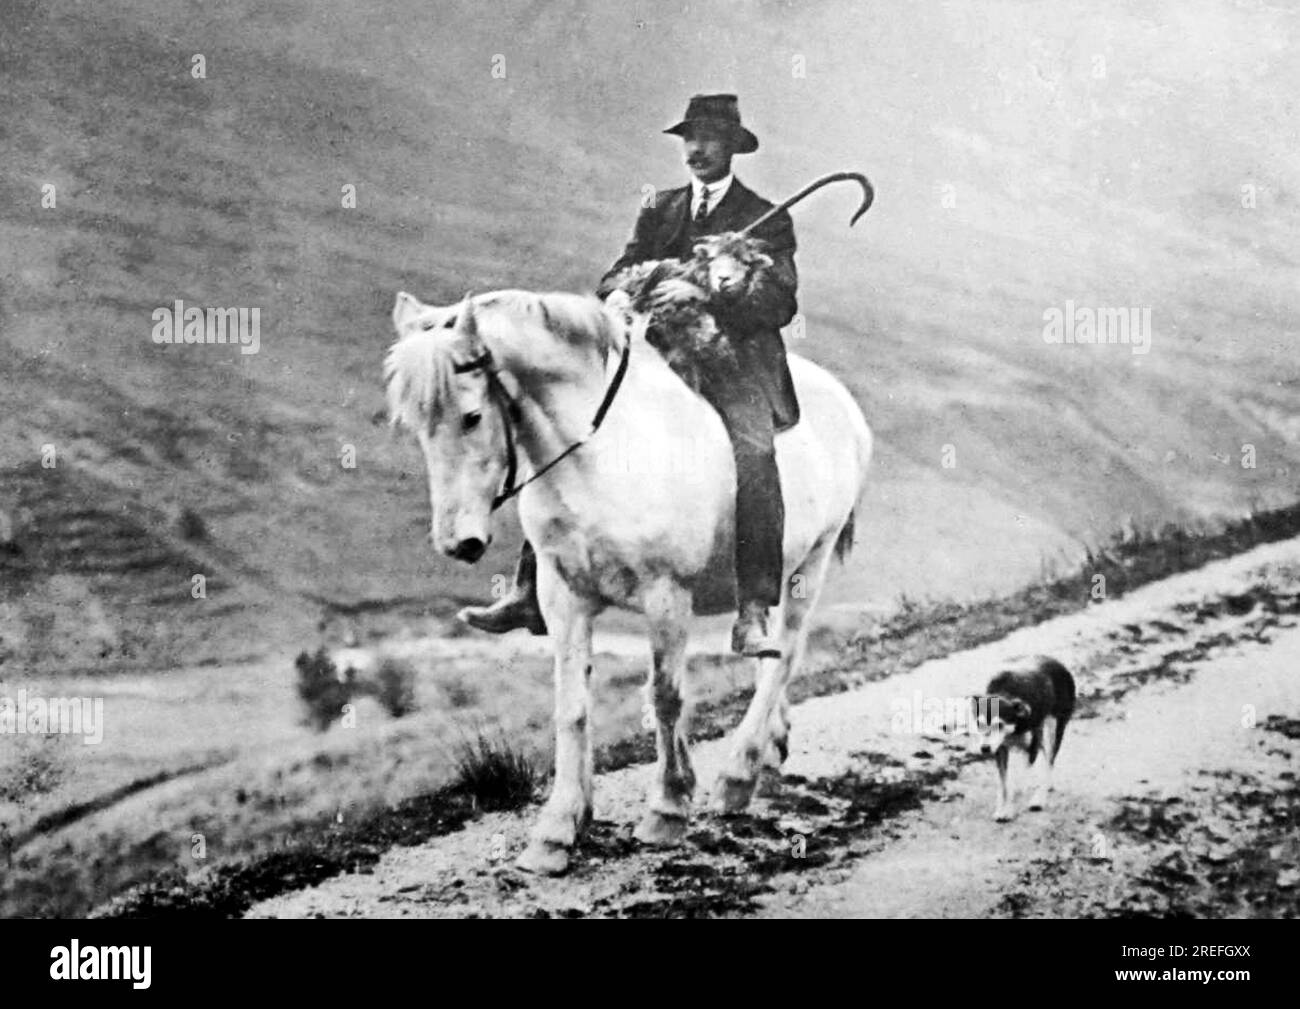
x,y
441,386
731,262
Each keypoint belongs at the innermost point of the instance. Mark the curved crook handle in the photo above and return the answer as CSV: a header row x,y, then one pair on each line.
x,y
868,194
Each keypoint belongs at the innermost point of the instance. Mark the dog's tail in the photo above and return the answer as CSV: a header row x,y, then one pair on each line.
x,y
1064,689
1060,734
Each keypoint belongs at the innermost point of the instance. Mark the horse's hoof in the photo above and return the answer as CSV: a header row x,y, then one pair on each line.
x,y
1004,815
543,859
1037,803
734,794
559,827
660,830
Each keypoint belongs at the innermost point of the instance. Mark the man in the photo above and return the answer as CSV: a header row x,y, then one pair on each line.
x,y
754,396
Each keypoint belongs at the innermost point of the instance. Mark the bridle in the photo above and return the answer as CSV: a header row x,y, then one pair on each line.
x,y
512,413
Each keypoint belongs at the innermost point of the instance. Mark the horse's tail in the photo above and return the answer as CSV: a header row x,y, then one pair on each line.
x,y
844,542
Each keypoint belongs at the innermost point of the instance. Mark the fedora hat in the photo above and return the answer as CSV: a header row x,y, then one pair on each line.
x,y
721,112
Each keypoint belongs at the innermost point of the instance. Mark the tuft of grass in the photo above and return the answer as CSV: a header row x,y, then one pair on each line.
x,y
493,774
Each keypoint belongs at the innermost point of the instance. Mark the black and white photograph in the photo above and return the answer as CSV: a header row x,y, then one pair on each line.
x,y
792,459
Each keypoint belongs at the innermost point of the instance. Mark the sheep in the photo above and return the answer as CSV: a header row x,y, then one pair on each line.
x,y
682,296
725,271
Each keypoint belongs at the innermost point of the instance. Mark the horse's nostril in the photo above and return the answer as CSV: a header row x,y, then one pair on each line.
x,y
469,550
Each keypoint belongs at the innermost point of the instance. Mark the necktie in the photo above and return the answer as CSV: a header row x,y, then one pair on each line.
x,y
702,211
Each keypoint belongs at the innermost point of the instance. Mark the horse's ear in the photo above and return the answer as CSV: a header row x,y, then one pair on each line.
x,y
405,308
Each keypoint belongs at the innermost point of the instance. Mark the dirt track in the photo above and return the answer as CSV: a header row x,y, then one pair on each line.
x,y
1175,794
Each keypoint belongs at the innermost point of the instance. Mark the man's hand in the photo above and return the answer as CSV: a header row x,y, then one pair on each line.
x,y
676,291
619,301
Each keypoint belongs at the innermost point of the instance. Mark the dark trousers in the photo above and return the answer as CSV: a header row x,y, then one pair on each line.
x,y
760,510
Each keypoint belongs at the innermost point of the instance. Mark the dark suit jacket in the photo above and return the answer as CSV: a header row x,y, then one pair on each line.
x,y
665,230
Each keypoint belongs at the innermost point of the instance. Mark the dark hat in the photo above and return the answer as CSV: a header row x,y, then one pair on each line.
x,y
721,112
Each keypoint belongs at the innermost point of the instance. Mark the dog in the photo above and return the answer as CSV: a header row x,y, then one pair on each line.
x,y
1024,708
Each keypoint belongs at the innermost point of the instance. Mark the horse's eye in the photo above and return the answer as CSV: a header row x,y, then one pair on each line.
x,y
471,420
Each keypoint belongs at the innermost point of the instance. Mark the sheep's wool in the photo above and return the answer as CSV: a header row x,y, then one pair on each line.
x,y
681,327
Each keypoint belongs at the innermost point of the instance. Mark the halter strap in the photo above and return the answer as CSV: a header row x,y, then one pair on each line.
x,y
511,414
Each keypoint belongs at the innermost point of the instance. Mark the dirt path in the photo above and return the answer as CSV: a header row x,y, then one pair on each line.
x,y
1175,793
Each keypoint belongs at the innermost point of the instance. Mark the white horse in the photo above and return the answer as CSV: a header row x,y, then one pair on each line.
x,y
640,516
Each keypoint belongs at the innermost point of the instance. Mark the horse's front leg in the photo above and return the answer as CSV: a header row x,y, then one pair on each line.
x,y
568,810
668,610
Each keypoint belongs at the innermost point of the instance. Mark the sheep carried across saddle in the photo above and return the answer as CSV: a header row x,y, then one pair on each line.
x,y
682,299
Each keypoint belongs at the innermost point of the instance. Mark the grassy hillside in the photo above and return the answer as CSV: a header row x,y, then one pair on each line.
x,y
1014,171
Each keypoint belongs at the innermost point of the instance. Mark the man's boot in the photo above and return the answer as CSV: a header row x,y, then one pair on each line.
x,y
515,610
750,636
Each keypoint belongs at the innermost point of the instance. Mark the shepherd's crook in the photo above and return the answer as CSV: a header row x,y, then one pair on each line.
x,y
868,194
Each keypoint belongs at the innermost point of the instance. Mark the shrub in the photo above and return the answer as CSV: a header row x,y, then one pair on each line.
x,y
395,686
322,690
35,768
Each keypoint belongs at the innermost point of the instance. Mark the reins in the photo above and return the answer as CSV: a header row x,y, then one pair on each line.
x,y
511,414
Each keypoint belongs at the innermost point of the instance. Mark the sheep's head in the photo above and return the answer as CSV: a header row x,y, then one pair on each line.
x,y
731,262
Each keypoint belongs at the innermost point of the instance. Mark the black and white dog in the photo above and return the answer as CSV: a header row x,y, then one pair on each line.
x,y
1025,707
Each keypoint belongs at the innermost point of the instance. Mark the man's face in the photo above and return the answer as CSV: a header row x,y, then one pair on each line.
x,y
708,153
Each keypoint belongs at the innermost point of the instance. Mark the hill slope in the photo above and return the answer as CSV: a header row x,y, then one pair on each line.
x,y
1015,173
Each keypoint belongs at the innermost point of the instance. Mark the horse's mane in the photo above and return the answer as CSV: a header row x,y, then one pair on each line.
x,y
417,375
420,366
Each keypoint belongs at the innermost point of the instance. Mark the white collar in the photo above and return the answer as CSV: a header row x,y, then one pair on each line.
x,y
716,190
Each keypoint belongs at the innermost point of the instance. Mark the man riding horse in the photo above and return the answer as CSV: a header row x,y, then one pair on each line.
x,y
752,391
